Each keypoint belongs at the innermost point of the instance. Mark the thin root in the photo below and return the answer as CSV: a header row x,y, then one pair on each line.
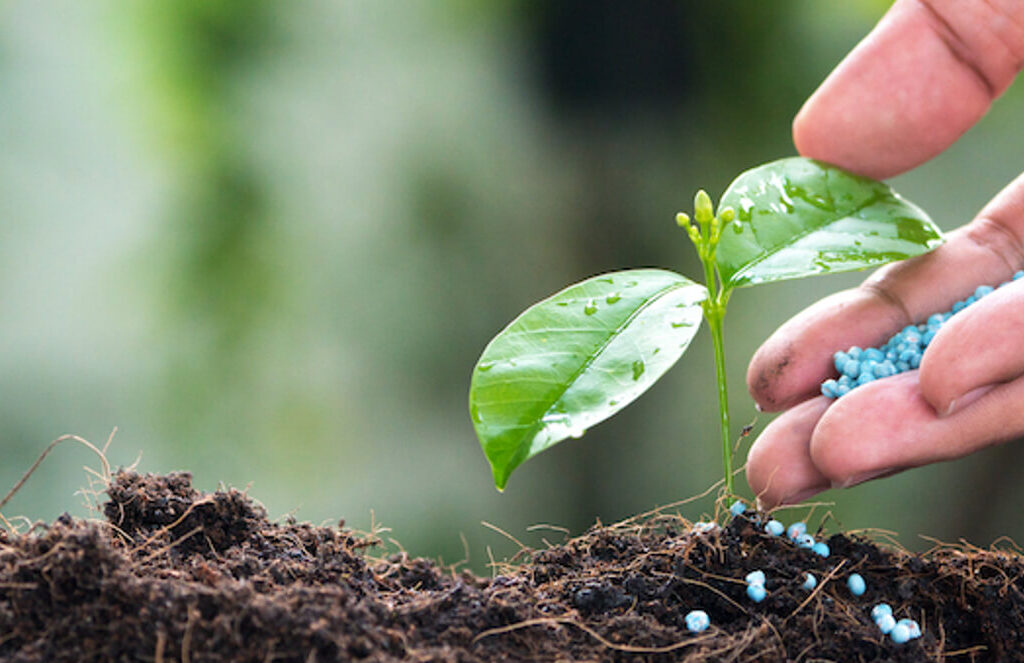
x,y
547,621
46,451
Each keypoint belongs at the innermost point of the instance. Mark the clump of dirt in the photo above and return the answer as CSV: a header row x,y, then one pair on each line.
x,y
179,575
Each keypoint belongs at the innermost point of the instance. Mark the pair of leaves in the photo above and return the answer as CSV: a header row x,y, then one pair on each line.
x,y
583,354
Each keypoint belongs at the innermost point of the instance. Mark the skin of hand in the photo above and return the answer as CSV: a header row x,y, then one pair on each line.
x,y
926,73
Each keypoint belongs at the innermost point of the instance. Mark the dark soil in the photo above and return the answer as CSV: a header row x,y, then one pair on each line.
x,y
179,575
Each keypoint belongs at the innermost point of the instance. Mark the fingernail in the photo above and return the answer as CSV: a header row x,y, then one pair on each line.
x,y
962,402
867,476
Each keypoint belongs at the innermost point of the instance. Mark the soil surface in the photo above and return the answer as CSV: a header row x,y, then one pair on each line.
x,y
178,575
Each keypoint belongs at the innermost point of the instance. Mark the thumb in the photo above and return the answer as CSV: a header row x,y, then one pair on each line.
x,y
978,348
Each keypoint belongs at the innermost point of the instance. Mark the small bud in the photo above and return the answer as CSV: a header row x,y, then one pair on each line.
x,y
727,214
683,220
702,208
714,233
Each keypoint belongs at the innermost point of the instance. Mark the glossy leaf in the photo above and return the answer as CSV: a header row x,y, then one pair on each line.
x,y
797,217
576,359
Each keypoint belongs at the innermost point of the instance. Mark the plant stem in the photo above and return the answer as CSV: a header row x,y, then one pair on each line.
x,y
705,236
715,313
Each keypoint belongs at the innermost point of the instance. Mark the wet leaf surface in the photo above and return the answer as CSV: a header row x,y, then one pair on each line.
x,y
798,217
577,358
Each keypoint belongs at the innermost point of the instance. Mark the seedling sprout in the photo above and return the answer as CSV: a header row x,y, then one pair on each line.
x,y
581,355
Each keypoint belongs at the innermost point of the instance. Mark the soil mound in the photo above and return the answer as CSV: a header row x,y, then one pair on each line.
x,y
179,575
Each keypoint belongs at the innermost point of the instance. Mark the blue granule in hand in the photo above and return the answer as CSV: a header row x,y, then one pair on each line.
x,y
900,353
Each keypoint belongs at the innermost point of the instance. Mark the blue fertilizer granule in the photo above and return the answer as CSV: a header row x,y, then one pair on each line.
x,y
900,353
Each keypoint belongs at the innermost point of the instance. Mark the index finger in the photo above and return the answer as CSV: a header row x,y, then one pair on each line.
x,y
927,72
790,366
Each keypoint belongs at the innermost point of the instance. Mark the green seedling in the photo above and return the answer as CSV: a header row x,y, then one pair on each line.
x,y
581,355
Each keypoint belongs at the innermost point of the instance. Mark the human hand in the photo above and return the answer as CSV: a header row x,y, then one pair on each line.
x,y
924,75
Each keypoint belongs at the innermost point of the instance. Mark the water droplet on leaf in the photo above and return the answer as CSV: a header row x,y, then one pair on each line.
x,y
638,368
590,308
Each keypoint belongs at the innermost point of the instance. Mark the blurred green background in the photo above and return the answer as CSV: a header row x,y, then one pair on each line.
x,y
268,241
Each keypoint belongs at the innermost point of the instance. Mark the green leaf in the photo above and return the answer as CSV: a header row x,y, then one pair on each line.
x,y
798,217
577,358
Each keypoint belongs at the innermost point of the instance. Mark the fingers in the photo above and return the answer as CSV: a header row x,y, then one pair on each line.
x,y
976,349
779,466
876,430
790,366
927,72
793,362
